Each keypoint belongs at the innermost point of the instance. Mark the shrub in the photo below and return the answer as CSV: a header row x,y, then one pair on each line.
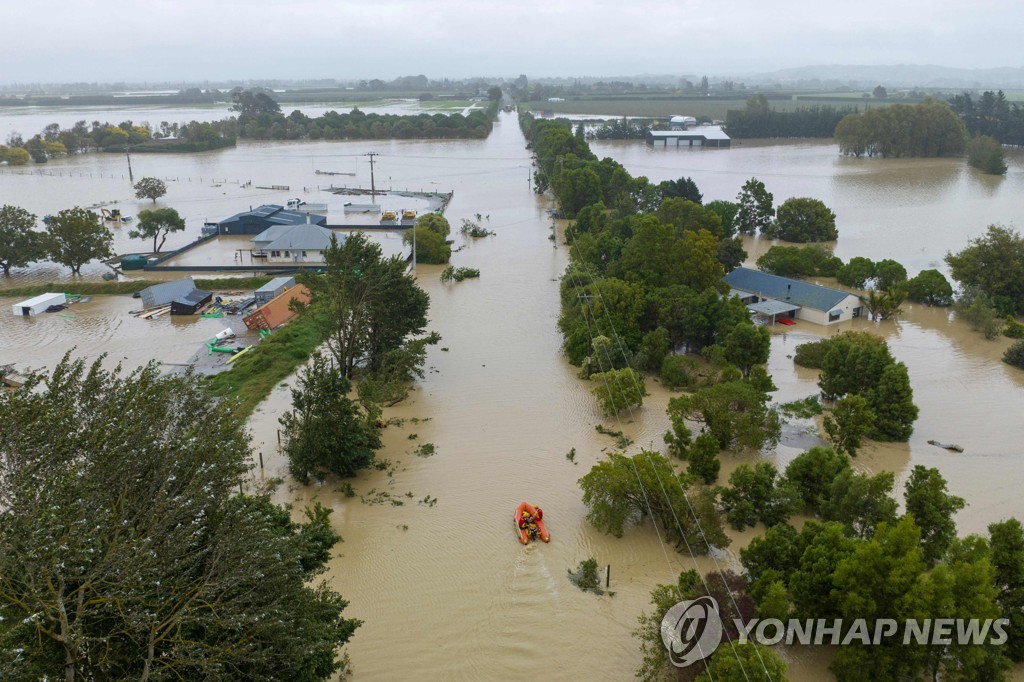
x,y
679,372
1014,355
811,355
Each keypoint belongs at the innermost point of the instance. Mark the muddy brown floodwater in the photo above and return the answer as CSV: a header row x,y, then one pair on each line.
x,y
445,590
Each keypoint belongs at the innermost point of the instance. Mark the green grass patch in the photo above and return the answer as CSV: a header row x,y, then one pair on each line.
x,y
254,375
115,288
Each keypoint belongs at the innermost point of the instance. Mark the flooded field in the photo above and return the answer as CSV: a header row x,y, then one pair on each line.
x,y
445,590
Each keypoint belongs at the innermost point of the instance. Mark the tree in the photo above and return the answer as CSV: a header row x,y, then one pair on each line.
x,y
743,662
1007,552
860,502
820,550
801,219
747,345
850,421
889,275
20,244
931,288
683,188
618,390
726,212
978,311
577,188
431,247
932,508
734,412
436,222
130,555
992,263
757,493
756,207
892,402
799,261
879,92
157,224
75,236
364,305
703,458
325,433
253,102
623,490
811,474
857,272
986,155
150,188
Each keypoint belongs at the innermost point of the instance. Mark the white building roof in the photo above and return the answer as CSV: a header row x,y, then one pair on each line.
x,y
705,132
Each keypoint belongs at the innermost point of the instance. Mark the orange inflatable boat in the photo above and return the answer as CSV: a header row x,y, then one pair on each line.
x,y
530,523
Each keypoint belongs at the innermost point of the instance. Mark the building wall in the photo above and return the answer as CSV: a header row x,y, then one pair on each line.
x,y
300,256
847,306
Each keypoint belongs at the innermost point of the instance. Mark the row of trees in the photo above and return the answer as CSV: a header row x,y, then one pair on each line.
x,y
991,115
798,219
927,129
757,119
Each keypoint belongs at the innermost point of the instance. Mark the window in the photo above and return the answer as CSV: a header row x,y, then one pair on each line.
x,y
834,315
287,255
275,254
303,254
856,311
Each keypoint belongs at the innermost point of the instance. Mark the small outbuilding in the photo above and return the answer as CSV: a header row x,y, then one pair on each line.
x,y
39,304
191,302
704,136
166,292
273,289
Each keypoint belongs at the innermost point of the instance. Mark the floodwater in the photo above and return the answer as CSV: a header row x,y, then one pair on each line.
x,y
445,590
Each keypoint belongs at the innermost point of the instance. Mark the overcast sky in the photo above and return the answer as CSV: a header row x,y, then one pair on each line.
x,y
155,40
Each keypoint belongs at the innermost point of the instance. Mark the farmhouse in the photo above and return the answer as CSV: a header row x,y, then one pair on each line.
x,y
265,217
706,136
303,243
775,297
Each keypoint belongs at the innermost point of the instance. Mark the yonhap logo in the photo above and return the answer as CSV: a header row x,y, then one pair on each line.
x,y
691,630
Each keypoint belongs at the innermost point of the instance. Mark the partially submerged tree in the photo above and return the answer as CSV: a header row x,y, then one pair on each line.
x,y
75,236
128,552
150,188
801,219
736,413
20,243
325,432
157,224
618,389
756,207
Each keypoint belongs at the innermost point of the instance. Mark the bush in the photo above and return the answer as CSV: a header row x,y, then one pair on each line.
x,y
930,287
1013,329
857,273
1014,355
679,372
430,245
811,355
799,261
985,154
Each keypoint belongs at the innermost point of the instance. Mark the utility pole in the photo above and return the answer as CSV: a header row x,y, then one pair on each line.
x,y
128,153
373,185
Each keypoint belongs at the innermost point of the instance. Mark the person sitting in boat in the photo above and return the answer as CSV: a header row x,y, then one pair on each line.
x,y
527,523
540,513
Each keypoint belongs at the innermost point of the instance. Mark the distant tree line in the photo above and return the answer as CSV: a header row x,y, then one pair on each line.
x,y
758,120
991,115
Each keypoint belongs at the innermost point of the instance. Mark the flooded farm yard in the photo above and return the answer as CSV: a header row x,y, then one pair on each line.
x,y
444,590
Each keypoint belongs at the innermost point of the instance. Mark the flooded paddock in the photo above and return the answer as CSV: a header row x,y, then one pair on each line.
x,y
446,591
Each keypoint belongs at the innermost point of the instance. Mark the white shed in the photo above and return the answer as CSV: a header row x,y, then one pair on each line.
x,y
39,304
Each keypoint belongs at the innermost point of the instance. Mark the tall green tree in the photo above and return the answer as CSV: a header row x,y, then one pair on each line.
x,y
932,508
617,492
75,236
931,288
128,553
743,662
889,274
892,402
431,247
850,420
992,263
985,154
734,412
757,493
756,207
157,224
150,188
20,243
747,345
325,432
365,305
860,502
801,219
857,272
812,473
618,389
1006,539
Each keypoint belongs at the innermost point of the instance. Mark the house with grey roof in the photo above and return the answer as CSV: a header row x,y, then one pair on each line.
x,y
294,243
255,221
777,297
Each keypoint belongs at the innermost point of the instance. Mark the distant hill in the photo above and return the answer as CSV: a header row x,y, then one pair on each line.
x,y
900,75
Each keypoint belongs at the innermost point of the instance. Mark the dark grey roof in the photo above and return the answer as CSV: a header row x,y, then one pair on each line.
x,y
165,292
772,307
276,214
194,296
793,291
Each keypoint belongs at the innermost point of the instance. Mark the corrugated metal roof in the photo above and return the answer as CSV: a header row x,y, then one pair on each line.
x,y
707,133
276,214
165,292
772,307
793,291
304,237
277,283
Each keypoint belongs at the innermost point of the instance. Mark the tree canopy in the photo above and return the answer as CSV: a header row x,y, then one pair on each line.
x,y
156,224
801,219
929,128
992,263
20,243
150,188
122,525
75,236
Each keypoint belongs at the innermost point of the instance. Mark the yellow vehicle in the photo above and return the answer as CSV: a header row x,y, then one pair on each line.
x,y
388,217
408,215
